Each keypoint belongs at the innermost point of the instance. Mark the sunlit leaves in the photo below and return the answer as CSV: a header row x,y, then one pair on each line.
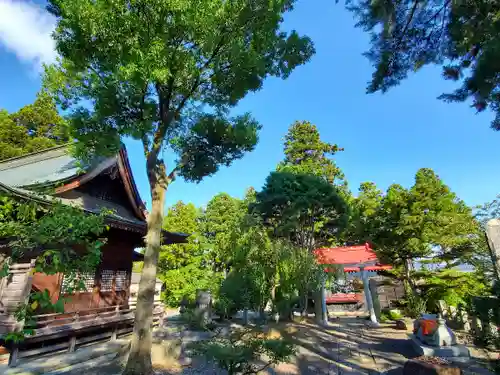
x,y
303,207
34,127
146,69
212,141
406,35
63,239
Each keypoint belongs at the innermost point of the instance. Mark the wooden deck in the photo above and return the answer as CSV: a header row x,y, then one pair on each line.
x,y
68,331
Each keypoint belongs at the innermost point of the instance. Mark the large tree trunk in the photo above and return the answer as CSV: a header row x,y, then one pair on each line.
x,y
139,360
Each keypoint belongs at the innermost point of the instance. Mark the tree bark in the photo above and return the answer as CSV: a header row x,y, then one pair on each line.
x,y
318,307
139,360
407,265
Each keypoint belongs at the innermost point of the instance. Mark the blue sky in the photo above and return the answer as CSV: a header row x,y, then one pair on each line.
x,y
386,138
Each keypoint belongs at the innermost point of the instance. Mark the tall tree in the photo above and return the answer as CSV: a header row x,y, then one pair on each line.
x,y
364,209
306,153
304,209
459,35
167,73
34,127
427,220
222,225
184,218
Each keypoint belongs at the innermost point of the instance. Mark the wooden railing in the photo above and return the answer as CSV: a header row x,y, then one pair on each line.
x,y
68,331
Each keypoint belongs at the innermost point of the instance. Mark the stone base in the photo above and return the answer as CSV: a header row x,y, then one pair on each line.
x,y
444,351
414,367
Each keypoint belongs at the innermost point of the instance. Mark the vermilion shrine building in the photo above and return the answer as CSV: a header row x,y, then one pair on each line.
x,y
354,259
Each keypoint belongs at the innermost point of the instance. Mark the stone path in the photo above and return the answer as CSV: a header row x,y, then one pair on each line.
x,y
346,346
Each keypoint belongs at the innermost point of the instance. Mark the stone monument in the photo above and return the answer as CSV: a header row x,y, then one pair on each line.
x,y
432,337
203,310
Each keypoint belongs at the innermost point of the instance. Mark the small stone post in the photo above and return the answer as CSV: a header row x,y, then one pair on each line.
x,y
204,306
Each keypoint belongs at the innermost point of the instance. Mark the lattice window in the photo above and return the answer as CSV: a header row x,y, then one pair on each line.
x,y
88,279
116,278
121,280
107,277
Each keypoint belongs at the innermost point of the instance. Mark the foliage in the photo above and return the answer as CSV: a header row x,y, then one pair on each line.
x,y
459,35
414,304
34,127
221,226
241,351
151,82
394,315
167,73
427,220
384,318
65,239
137,266
450,285
363,220
306,153
304,208
182,218
182,283
194,320
488,211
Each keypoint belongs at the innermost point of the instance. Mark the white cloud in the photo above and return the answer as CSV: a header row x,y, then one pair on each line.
x,y
25,29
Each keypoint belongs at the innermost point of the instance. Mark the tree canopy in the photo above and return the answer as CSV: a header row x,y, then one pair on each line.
x,y
461,36
303,208
426,221
35,127
306,153
184,218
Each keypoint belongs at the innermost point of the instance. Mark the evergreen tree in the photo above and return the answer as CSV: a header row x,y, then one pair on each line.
x,y
426,221
306,153
364,210
222,226
184,218
462,36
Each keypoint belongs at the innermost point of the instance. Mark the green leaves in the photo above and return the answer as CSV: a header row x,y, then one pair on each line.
x,y
406,35
243,349
146,69
64,240
305,208
212,141
184,218
34,127
305,153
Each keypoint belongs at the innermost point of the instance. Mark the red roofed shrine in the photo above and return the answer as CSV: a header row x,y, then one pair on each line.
x,y
361,259
351,257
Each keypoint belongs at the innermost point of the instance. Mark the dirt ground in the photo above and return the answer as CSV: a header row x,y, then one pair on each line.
x,y
346,346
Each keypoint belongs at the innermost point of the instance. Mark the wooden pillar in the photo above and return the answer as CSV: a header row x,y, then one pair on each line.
x,y
493,236
368,296
72,339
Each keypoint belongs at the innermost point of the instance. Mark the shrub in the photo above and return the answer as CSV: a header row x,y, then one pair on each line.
x,y
395,314
384,317
184,282
239,352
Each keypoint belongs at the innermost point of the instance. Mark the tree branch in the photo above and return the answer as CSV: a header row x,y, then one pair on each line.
x,y
197,81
